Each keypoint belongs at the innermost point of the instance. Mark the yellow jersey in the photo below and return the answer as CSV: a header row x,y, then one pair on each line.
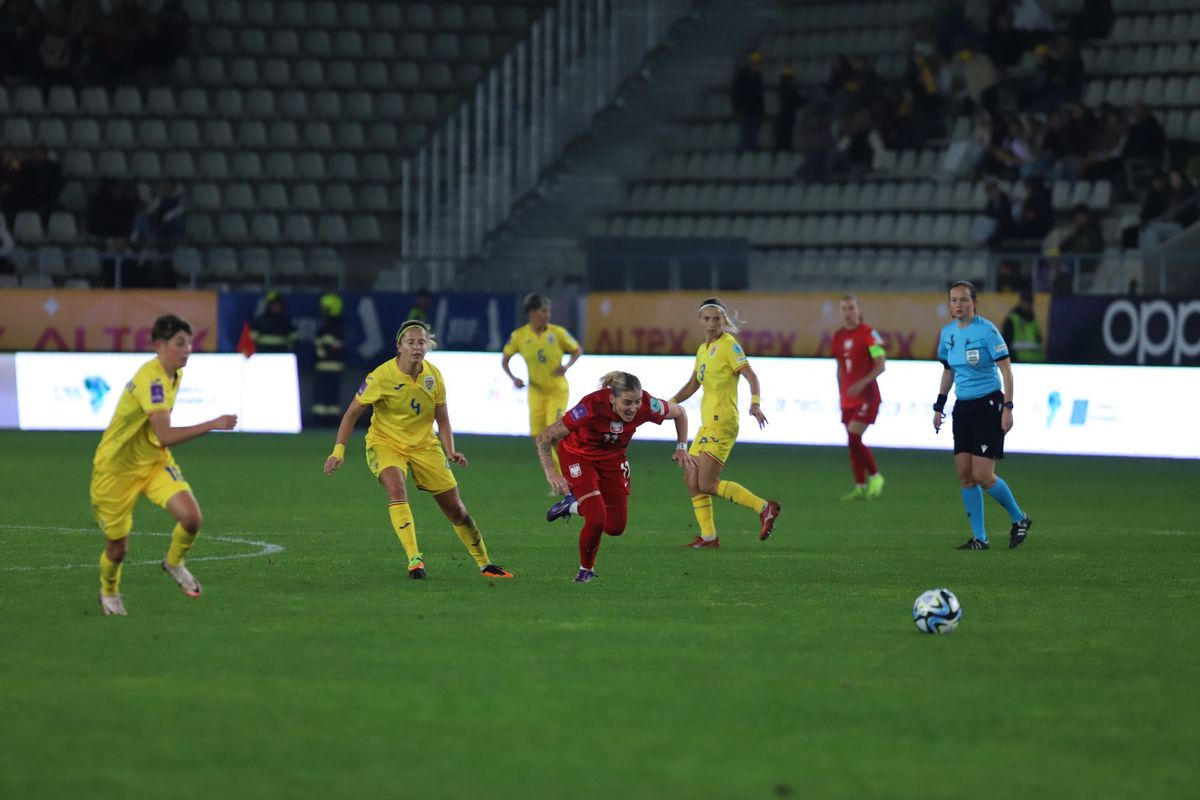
x,y
543,353
403,405
129,443
718,366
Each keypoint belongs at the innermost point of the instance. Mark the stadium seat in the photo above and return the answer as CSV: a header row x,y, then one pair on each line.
x,y
307,197
18,132
272,196
239,196
252,134
27,228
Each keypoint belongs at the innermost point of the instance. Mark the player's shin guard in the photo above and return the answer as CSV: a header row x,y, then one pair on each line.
x,y
1004,496
593,513
110,576
702,506
181,543
973,501
405,527
468,533
739,494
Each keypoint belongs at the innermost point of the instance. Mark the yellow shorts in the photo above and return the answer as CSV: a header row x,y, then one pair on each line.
x,y
714,442
429,467
545,409
114,496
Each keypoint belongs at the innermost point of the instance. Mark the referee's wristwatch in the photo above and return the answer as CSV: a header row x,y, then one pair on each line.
x,y
1007,405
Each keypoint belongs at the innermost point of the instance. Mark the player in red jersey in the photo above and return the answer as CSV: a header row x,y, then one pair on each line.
x,y
861,359
591,439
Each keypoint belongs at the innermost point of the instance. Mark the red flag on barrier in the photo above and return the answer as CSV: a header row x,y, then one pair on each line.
x,y
245,344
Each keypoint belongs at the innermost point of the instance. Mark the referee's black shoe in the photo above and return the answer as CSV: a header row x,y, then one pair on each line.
x,y
1016,536
975,544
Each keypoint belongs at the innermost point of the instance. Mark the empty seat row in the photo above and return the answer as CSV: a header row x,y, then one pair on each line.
x,y
296,228
227,263
27,228
865,268
185,134
929,230
1156,27
322,44
274,196
215,165
859,41
1166,58
781,196
235,103
1155,91
375,75
828,16
513,16
732,166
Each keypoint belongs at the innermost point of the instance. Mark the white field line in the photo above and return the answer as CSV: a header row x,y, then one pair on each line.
x,y
264,548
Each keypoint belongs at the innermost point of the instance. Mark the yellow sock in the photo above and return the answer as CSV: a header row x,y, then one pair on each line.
x,y
741,495
110,576
702,505
469,533
181,543
406,529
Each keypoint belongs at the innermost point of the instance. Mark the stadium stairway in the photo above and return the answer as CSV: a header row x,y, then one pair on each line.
x,y
541,244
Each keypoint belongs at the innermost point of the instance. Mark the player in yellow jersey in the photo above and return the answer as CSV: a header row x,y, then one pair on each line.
x,y
543,346
719,363
132,459
408,396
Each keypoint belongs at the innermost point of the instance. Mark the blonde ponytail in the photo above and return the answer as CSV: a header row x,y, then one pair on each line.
x,y
620,382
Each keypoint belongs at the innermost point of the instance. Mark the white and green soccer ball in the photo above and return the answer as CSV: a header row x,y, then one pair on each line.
x,y
937,611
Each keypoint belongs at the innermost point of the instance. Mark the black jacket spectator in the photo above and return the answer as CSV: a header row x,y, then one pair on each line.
x,y
1146,139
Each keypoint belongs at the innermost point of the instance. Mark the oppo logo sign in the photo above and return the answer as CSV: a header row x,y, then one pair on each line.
x,y
1155,329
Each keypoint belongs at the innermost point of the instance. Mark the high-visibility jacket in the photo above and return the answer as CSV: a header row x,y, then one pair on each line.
x,y
1027,339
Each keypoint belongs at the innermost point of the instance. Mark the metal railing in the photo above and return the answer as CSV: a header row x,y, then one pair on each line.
x,y
463,181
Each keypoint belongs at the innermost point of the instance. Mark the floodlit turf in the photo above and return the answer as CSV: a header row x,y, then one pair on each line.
x,y
760,670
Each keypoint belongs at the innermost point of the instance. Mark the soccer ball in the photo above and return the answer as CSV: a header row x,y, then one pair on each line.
x,y
937,611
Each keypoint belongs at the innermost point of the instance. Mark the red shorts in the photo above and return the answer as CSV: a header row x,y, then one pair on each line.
x,y
610,478
860,412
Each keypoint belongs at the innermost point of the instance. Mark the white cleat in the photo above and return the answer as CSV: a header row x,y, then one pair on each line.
x,y
186,580
112,605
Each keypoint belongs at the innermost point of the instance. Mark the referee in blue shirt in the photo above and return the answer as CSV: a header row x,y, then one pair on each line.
x,y
975,358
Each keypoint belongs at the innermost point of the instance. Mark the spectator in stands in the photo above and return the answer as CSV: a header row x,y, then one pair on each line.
x,y
1004,44
57,51
273,330
111,210
7,246
1022,332
1012,147
161,225
10,174
816,142
1058,76
1054,148
39,182
922,81
1171,206
21,30
422,309
1146,143
791,99
951,29
854,154
121,268
1093,21
1029,17
746,96
995,222
1033,215
329,343
979,79
174,27
112,52
1078,251
1104,158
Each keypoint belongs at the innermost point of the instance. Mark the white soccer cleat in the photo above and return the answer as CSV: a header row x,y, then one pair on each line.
x,y
112,605
186,580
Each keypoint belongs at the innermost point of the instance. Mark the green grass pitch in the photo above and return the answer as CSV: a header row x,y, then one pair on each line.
x,y
762,670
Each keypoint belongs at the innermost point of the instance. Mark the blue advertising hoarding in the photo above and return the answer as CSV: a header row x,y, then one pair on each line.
x,y
1146,331
461,321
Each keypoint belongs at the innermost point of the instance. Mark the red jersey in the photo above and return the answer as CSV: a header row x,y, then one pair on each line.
x,y
856,351
598,434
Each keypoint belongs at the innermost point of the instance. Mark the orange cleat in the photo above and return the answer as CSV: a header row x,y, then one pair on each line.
x,y
767,520
700,543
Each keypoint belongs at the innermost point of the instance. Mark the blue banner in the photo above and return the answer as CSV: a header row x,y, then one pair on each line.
x,y
466,321
1147,331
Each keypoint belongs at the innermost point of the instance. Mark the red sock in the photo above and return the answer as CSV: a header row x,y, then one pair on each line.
x,y
856,459
615,518
868,458
592,510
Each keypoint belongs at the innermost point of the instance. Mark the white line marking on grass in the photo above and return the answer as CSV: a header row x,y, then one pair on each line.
x,y
265,548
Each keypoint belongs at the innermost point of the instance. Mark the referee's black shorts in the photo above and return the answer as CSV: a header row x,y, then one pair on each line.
x,y
977,426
